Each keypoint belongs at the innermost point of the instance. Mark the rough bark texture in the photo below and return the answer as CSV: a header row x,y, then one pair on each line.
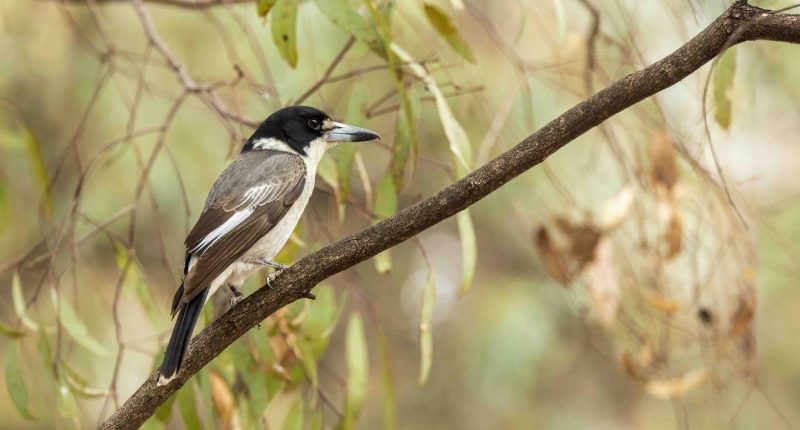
x,y
741,22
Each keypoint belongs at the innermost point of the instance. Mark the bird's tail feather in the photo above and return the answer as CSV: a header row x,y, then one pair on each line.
x,y
179,340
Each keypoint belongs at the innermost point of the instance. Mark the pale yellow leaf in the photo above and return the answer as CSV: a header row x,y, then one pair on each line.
x,y
602,281
616,209
676,386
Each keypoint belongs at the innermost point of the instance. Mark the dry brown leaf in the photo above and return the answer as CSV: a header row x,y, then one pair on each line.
x,y
673,237
664,171
742,327
749,274
583,239
223,399
551,257
279,347
630,368
669,388
616,209
602,280
663,304
742,320
646,355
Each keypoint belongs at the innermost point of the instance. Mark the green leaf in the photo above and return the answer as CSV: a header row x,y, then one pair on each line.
x,y
284,29
444,26
316,421
456,136
11,331
39,168
263,7
294,421
206,412
724,73
469,250
385,198
357,368
389,415
345,154
78,385
385,206
135,285
19,304
74,326
327,171
66,404
46,352
188,407
404,143
346,18
152,424
323,314
308,359
426,327
15,382
5,207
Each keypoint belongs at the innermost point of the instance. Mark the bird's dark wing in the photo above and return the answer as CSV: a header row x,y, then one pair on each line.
x,y
245,203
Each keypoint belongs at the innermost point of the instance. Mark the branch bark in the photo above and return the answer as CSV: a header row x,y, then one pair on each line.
x,y
739,23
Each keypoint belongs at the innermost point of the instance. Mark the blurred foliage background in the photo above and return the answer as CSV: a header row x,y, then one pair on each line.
x,y
641,278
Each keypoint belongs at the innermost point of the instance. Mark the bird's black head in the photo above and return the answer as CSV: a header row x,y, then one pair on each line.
x,y
299,127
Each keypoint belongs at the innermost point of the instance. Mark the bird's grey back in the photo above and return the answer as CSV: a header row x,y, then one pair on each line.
x,y
252,169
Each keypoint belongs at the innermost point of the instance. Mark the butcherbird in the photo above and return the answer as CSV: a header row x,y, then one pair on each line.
x,y
250,213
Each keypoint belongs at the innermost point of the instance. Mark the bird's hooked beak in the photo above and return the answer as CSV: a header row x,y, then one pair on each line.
x,y
349,133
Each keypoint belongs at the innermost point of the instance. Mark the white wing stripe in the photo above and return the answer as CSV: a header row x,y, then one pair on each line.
x,y
260,195
225,228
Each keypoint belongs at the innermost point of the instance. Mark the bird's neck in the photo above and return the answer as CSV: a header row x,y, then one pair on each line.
x,y
314,152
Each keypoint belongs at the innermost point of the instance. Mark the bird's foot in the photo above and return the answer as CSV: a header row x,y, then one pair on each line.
x,y
237,296
271,277
274,265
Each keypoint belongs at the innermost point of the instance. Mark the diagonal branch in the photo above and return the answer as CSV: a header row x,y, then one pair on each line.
x,y
741,22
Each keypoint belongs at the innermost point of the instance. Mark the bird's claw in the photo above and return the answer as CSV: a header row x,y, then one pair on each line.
x,y
237,297
268,280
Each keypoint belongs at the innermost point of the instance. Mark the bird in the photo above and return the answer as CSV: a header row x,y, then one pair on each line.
x,y
250,212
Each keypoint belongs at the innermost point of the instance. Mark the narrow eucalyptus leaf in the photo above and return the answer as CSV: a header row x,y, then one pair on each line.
x,y
284,29
20,308
15,382
263,7
294,421
187,403
349,20
426,327
724,73
469,250
74,326
357,368
445,27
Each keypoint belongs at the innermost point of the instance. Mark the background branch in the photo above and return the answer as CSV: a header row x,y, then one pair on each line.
x,y
741,22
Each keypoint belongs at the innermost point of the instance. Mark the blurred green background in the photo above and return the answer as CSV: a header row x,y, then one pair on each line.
x,y
106,156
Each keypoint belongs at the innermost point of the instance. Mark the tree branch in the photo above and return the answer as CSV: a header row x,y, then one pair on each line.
x,y
741,22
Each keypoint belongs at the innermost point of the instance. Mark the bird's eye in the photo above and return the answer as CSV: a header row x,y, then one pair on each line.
x,y
314,124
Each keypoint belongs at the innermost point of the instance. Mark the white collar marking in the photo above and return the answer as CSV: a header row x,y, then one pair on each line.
x,y
273,144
